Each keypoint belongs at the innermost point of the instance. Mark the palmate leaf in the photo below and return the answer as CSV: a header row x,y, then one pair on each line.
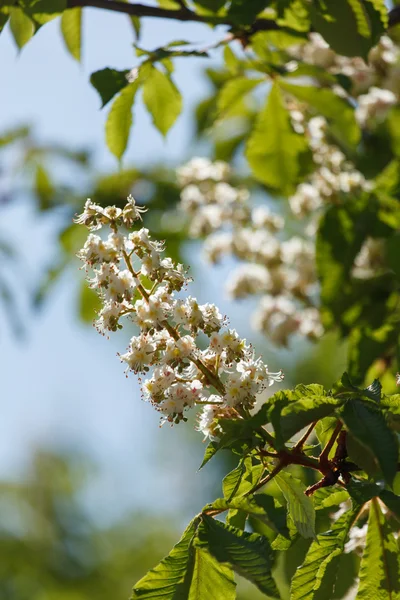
x,y
273,148
380,564
367,424
210,578
300,507
328,546
171,578
250,554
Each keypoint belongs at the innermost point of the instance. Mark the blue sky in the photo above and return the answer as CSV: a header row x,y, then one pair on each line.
x,y
62,384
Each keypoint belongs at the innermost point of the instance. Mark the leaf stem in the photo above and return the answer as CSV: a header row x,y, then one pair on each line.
x,y
323,457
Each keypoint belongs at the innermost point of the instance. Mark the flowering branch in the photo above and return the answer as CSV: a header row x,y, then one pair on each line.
x,y
183,375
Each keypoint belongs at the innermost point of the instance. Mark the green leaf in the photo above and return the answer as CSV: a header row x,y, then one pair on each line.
x,y
89,303
341,233
242,479
4,16
233,91
243,12
327,497
299,506
350,27
301,413
162,100
43,11
380,564
109,82
71,29
273,149
361,455
119,120
327,548
170,579
211,449
210,578
367,423
21,27
250,554
392,502
44,188
337,111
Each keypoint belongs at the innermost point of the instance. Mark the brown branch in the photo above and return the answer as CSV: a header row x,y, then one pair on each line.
x,y
182,14
299,446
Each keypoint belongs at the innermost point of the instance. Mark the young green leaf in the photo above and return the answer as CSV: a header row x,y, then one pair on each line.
x,y
162,99
210,578
171,578
211,449
367,423
233,91
298,414
21,26
44,188
327,547
119,120
337,110
350,27
299,506
71,29
108,82
273,148
242,479
380,564
250,554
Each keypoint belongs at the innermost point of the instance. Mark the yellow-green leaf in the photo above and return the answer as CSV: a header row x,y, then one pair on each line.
x,y
162,99
273,148
21,27
71,29
119,120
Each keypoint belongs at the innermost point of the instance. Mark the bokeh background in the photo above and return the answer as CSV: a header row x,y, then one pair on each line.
x,y
93,493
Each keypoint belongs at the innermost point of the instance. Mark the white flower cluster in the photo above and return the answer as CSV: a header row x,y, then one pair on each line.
x,y
283,272
370,259
334,179
382,69
135,281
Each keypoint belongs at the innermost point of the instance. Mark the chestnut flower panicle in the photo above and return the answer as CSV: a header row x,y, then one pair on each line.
x,y
282,273
136,282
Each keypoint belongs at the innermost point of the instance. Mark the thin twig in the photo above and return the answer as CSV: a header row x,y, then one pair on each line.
x,y
323,457
299,445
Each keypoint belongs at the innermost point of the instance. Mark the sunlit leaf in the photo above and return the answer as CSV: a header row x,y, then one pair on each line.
x,y
380,564
273,148
71,28
249,553
326,548
119,120
162,99
211,578
21,27
299,506
171,578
